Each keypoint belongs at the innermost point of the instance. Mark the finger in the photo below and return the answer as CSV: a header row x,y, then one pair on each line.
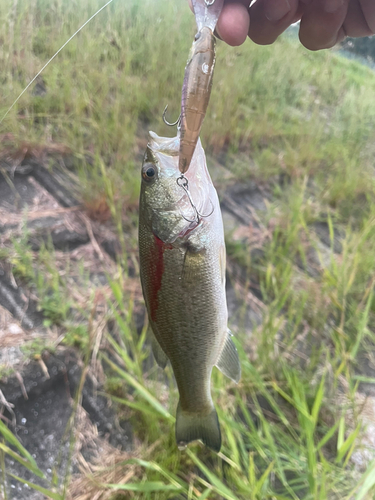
x,y
269,18
368,9
322,24
355,23
233,24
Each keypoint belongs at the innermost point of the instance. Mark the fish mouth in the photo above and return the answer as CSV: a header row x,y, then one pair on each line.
x,y
166,145
187,198
186,232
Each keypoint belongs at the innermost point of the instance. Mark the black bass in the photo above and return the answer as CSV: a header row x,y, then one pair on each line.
x,y
182,263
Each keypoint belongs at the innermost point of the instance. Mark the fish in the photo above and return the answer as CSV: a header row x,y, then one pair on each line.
x,y
198,77
182,270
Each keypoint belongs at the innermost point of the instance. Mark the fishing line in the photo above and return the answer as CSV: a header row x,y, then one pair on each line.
x,y
52,58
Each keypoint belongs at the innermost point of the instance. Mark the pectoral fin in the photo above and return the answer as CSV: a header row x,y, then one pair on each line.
x,y
159,355
229,362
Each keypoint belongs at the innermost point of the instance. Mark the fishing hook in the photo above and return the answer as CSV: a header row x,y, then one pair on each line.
x,y
177,122
184,183
209,2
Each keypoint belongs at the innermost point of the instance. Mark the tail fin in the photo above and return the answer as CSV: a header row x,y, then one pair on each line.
x,y
203,427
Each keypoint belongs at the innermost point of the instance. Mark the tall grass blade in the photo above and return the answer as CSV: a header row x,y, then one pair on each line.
x,y
318,401
48,493
217,484
368,483
263,478
141,390
29,466
172,478
12,440
327,436
347,444
146,487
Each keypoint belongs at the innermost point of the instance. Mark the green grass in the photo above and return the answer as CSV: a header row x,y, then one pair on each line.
x,y
302,123
39,270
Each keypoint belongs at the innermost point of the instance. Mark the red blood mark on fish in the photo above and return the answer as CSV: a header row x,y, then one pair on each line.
x,y
156,272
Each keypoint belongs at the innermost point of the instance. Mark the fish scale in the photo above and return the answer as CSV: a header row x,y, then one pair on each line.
x,y
182,267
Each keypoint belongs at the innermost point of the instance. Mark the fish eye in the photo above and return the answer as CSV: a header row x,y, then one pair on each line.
x,y
197,36
149,172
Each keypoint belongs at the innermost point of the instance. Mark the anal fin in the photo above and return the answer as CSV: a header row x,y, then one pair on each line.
x,y
229,362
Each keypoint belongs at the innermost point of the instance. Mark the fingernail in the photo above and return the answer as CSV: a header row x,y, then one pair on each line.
x,y
331,6
275,10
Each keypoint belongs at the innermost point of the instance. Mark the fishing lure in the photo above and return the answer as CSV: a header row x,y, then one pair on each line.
x,y
196,88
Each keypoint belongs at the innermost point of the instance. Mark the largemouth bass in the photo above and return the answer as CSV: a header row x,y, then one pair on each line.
x,y
182,263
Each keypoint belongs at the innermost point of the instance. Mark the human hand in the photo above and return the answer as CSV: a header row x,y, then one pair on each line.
x,y
323,22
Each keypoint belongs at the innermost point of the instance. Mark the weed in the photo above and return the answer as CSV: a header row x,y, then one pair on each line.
x,y
35,348
77,336
20,257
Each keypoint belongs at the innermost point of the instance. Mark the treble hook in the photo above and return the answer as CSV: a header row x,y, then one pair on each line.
x,y
184,183
167,122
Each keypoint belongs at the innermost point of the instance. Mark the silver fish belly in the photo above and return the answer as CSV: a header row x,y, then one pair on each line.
x,y
182,262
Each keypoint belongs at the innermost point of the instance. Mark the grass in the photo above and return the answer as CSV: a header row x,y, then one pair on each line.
x,y
39,270
305,123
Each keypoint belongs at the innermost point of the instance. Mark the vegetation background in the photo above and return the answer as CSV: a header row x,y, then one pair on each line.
x,y
299,125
